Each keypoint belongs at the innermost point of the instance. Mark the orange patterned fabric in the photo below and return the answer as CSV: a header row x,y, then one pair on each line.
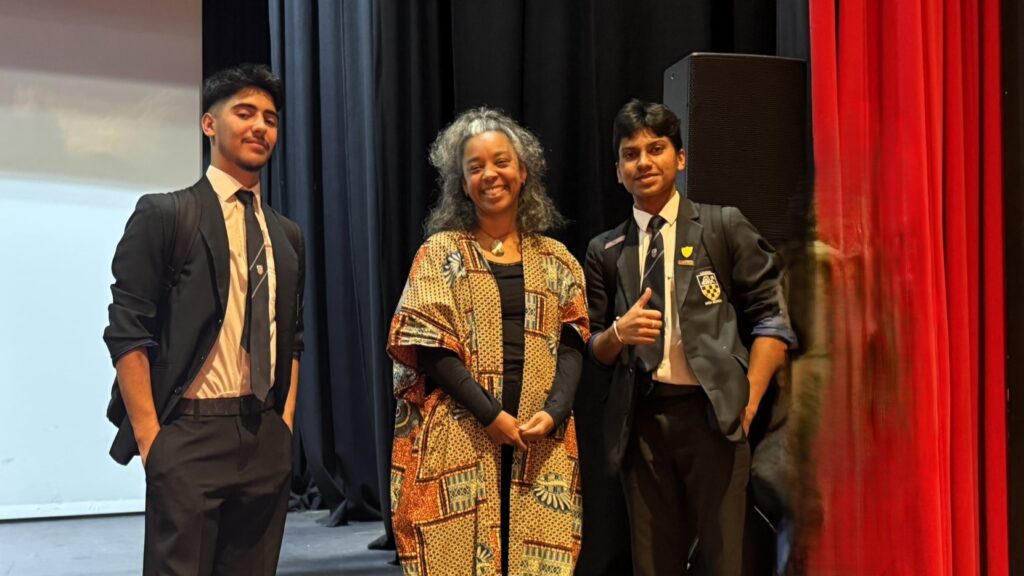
x,y
444,468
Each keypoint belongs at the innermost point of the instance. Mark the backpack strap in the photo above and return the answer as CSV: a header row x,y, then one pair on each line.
x,y
183,234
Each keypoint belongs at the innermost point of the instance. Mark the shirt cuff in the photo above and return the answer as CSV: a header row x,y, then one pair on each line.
x,y
776,327
129,346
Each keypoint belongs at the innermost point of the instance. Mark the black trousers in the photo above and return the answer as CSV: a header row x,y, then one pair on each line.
x,y
682,478
605,546
217,495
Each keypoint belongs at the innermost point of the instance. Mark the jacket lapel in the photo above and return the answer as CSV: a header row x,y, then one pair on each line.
x,y
215,235
688,233
285,258
628,265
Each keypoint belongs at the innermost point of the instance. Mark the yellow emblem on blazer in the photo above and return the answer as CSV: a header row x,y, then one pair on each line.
x,y
709,287
686,251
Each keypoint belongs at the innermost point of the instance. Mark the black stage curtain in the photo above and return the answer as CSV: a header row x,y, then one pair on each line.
x,y
562,69
324,176
234,31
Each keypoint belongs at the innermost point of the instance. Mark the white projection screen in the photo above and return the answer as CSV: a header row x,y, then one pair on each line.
x,y
99,103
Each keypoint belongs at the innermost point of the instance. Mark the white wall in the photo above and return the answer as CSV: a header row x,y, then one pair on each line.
x,y
99,103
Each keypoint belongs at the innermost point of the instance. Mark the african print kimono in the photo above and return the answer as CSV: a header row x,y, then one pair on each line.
x,y
445,469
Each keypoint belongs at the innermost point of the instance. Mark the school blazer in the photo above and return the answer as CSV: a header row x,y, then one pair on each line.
x,y
707,317
178,325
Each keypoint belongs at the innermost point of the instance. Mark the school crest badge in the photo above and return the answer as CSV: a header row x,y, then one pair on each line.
x,y
709,287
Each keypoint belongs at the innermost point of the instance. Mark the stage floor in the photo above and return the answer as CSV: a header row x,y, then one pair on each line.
x,y
112,546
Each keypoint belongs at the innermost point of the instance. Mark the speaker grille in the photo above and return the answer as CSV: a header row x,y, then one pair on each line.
x,y
745,133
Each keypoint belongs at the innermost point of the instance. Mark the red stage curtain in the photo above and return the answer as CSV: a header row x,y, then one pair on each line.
x,y
910,460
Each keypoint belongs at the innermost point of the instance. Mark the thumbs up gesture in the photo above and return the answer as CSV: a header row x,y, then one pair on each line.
x,y
639,326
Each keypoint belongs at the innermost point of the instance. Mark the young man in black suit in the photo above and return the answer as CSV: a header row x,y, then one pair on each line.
x,y
665,290
207,347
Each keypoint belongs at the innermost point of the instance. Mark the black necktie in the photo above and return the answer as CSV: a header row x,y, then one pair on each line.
x,y
654,278
256,331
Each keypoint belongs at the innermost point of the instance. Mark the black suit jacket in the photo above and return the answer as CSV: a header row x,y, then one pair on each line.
x,y
179,326
711,338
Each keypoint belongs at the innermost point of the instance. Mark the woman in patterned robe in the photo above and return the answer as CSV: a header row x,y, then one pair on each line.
x,y
487,342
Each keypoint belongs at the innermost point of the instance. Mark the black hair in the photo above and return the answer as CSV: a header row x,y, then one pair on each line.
x,y
230,81
638,115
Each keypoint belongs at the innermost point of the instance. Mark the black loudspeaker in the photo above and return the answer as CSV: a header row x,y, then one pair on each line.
x,y
746,136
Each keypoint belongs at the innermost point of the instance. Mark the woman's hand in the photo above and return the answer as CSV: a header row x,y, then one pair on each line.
x,y
504,431
537,427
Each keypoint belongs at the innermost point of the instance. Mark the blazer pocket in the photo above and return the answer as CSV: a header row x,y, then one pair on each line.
x,y
744,364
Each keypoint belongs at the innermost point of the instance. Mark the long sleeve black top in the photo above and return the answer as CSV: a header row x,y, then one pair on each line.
x,y
445,370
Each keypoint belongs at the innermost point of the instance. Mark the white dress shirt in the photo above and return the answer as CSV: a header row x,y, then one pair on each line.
x,y
674,369
225,373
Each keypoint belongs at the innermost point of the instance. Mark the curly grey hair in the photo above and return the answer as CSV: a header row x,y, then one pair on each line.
x,y
535,213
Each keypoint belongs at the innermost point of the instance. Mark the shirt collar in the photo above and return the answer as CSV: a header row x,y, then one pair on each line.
x,y
669,212
226,186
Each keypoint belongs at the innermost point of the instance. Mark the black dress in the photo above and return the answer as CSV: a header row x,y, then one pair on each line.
x,y
513,312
